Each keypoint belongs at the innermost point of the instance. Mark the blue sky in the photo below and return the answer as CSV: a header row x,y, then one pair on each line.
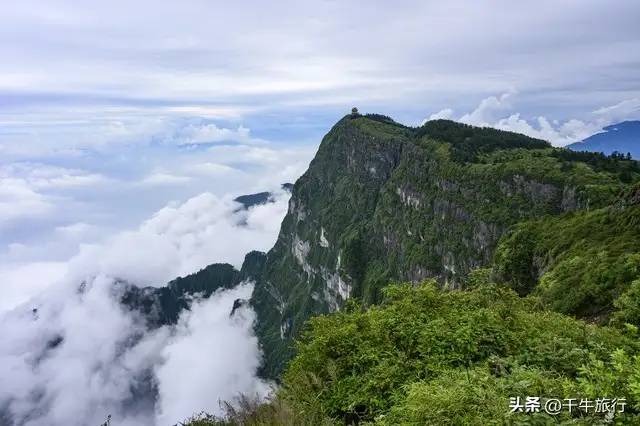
x,y
110,111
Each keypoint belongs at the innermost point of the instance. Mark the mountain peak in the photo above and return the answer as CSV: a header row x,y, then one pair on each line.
x,y
382,202
624,125
260,198
623,137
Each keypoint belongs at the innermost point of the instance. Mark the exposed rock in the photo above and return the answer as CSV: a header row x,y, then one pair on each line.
x,y
381,202
323,239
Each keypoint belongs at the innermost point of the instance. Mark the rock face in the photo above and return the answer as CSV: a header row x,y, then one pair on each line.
x,y
382,202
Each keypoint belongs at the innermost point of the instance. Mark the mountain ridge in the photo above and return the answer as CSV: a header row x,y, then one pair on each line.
x,y
623,137
382,202
540,244
251,200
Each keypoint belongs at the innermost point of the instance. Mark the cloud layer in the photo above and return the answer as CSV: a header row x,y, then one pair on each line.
x,y
181,239
54,205
79,357
109,65
498,112
188,382
72,354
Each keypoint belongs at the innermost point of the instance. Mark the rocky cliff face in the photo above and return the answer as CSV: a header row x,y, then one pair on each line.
x,y
381,202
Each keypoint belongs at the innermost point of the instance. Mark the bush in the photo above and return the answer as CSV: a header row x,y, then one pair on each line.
x,y
427,356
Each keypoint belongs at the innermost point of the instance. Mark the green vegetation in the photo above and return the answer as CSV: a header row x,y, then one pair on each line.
x,y
382,202
163,305
578,263
468,142
425,356
542,246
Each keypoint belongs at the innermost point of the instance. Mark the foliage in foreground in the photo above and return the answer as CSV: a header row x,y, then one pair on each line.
x,y
425,356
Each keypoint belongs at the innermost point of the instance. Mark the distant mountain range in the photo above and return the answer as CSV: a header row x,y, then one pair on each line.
x,y
163,305
622,137
251,200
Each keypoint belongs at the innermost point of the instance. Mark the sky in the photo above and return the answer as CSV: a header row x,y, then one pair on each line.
x,y
111,110
126,128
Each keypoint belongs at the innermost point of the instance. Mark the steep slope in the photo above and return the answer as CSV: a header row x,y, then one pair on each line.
x,y
383,202
578,263
622,137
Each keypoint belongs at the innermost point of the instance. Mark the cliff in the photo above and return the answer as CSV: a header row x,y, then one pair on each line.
x,y
382,202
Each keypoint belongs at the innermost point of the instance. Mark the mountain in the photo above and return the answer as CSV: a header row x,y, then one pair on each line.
x,y
382,202
425,275
622,137
163,305
581,264
440,274
251,200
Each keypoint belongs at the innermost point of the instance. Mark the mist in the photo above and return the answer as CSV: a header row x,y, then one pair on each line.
x,y
73,354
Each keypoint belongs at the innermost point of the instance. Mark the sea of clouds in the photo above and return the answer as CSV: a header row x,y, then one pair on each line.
x,y
72,354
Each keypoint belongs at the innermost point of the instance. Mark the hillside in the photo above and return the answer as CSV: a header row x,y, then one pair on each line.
x,y
579,263
622,137
424,356
382,202
540,246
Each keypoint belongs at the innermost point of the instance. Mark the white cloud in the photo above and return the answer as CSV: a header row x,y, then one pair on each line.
x,y
210,133
18,201
620,111
488,110
444,114
81,380
180,239
118,187
212,169
75,230
159,179
197,371
498,112
67,181
46,177
105,353
32,192
200,228
21,282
